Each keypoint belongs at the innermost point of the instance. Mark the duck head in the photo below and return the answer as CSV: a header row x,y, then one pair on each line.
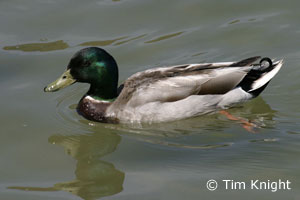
x,y
94,66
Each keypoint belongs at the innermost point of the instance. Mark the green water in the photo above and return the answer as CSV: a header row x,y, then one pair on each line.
x,y
48,151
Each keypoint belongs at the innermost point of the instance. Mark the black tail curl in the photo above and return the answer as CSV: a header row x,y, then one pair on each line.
x,y
265,65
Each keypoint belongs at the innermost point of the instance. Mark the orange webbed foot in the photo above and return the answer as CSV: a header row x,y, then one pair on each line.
x,y
248,126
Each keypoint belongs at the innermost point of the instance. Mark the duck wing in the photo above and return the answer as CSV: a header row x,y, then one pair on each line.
x,y
169,84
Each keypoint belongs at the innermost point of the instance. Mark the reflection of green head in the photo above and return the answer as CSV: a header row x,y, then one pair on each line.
x,y
94,66
94,178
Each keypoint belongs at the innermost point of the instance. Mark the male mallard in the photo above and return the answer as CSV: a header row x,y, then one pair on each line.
x,y
162,94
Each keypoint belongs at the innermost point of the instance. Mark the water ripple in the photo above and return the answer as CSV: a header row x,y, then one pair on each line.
x,y
249,19
102,42
131,39
42,47
164,37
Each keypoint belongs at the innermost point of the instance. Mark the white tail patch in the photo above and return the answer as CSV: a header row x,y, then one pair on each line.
x,y
266,77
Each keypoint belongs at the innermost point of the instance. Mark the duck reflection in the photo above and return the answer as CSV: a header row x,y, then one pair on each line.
x,y
94,178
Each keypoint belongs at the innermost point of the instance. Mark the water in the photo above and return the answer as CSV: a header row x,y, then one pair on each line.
x,y
47,151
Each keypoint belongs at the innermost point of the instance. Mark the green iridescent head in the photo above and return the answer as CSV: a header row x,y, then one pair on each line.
x,y
94,66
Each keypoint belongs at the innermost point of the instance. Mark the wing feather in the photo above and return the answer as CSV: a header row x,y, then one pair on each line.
x,y
168,84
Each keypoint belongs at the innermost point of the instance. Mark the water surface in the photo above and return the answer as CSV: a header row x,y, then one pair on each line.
x,y
48,151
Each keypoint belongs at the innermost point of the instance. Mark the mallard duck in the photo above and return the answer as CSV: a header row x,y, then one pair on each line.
x,y
165,93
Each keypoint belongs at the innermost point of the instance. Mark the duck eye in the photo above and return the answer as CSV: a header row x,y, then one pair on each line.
x,y
86,63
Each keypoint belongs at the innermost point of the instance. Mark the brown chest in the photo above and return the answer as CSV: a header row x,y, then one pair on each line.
x,y
94,110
